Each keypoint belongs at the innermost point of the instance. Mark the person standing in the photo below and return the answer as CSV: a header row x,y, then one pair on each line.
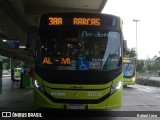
x,y
12,73
23,72
31,74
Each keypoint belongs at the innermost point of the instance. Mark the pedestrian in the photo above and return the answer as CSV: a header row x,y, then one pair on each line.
x,y
12,74
31,74
23,72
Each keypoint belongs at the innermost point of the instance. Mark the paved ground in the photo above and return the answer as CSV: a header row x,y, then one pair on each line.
x,y
137,100
15,99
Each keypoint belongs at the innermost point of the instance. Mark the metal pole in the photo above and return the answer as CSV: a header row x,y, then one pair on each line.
x,y
136,37
136,42
1,77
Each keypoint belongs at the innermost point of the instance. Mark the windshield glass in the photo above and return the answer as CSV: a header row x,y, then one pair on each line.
x,y
128,69
74,49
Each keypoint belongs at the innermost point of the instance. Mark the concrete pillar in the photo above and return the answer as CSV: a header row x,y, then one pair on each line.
x,y
0,77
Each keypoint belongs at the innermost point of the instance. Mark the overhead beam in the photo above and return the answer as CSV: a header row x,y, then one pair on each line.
x,y
103,5
38,10
12,8
19,55
38,7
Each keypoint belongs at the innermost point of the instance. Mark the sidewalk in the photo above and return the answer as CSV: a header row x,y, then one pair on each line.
x,y
149,81
16,99
154,78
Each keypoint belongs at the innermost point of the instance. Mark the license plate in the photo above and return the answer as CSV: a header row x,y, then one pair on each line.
x,y
75,106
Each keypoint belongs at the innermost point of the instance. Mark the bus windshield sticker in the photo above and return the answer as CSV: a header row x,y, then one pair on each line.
x,y
83,64
95,65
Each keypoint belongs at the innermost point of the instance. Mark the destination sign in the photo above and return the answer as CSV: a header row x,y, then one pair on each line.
x,y
60,20
128,61
75,21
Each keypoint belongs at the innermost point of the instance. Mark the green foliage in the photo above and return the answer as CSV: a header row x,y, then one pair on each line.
x,y
6,64
18,64
130,53
140,65
151,64
155,63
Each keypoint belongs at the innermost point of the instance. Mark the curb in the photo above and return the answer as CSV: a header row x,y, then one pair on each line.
x,y
148,82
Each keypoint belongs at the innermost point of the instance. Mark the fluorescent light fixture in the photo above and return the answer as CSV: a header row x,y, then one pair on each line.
x,y
21,46
4,40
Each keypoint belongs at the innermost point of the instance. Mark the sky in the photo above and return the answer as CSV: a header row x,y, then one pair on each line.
x,y
148,28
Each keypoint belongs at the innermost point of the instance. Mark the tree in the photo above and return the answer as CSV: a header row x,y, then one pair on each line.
x,y
155,63
152,64
130,53
140,65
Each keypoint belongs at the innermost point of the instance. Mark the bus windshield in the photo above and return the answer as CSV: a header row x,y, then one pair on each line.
x,y
128,69
79,49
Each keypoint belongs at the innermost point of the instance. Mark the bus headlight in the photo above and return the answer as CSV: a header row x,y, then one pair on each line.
x,y
133,79
116,87
39,86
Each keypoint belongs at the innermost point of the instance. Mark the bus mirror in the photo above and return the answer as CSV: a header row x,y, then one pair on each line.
x,y
125,45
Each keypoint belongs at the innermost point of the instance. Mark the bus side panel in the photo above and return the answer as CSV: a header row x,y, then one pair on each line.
x,y
129,81
115,100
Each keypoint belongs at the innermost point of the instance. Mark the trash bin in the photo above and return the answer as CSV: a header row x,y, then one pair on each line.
x,y
26,82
